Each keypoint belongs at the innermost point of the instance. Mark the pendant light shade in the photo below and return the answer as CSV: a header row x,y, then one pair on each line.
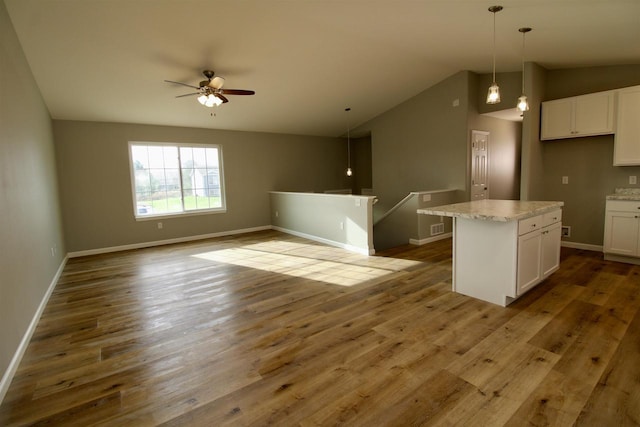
x,y
523,103
493,96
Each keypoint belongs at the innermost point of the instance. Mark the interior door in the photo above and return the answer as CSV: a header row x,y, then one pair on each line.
x,y
479,165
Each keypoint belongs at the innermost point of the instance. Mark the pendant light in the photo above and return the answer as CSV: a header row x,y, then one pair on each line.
x,y
349,171
523,104
493,96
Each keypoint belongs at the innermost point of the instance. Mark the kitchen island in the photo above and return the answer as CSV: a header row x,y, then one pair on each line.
x,y
502,248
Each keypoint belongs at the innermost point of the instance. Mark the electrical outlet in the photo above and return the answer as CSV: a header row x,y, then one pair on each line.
x,y
566,231
277,213
565,179
426,197
159,226
633,179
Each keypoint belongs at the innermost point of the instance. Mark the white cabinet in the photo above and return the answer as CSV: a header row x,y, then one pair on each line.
x,y
626,147
551,237
538,249
584,115
529,256
498,261
621,229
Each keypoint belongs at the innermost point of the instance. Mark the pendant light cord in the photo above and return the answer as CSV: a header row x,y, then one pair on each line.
x,y
348,149
523,33
494,47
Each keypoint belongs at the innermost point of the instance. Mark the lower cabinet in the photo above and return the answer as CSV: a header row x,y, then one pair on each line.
x,y
498,261
622,230
538,249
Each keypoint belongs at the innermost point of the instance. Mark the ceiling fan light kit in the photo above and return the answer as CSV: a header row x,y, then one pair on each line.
x,y
210,92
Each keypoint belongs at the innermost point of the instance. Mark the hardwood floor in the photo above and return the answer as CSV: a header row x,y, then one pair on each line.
x,y
266,328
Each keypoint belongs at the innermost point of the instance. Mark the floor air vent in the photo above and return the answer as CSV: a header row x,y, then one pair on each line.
x,y
437,228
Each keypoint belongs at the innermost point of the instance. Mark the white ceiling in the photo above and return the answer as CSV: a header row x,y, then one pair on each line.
x,y
105,60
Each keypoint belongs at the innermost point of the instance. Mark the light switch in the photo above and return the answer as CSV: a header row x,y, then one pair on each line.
x,y
565,179
426,197
633,179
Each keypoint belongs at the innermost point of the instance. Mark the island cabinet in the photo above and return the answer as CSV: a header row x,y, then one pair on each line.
x,y
538,249
622,231
584,115
502,248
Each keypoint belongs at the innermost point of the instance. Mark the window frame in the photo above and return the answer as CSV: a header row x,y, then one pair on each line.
x,y
152,216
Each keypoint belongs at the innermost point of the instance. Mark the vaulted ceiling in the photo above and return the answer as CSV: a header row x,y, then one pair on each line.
x,y
106,60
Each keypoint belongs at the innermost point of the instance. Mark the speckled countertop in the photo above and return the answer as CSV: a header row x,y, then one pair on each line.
x,y
625,194
493,210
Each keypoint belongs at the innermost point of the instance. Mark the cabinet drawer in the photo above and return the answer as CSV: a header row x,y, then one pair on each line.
x,y
552,217
623,206
529,224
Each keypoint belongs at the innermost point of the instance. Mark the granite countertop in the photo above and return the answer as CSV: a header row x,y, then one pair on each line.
x,y
625,194
493,210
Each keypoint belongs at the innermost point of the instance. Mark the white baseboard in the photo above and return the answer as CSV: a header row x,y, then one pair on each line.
x,y
345,246
420,242
17,357
584,246
165,242
574,245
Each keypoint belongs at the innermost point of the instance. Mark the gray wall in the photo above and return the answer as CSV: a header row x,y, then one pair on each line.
x,y
421,144
29,212
588,161
340,220
95,184
532,168
505,137
361,164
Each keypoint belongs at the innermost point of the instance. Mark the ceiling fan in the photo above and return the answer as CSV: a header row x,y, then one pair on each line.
x,y
210,91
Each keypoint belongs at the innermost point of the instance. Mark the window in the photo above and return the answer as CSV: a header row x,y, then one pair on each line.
x,y
176,179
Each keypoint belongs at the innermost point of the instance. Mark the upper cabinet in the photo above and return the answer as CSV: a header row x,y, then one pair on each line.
x,y
626,146
584,115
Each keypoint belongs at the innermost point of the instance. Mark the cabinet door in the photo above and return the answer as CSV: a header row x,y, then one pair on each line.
x,y
557,119
626,147
529,253
594,114
551,248
621,233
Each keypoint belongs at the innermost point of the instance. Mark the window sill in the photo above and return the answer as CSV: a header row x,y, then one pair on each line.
x,y
180,214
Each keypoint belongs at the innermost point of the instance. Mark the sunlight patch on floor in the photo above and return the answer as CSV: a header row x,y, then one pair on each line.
x,y
314,262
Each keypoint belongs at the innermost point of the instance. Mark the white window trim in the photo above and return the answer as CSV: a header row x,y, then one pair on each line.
x,y
223,197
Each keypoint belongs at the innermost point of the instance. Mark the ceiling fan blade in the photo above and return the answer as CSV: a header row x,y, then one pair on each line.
x,y
189,94
237,92
222,97
183,84
216,82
